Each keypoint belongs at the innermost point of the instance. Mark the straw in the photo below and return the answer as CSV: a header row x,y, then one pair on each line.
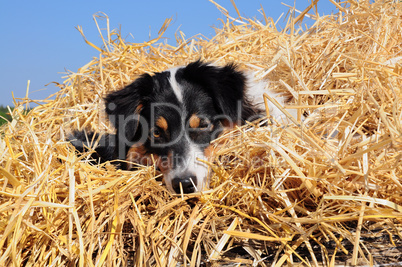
x,y
325,190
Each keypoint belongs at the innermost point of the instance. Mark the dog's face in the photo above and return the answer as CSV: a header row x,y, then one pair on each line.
x,y
171,118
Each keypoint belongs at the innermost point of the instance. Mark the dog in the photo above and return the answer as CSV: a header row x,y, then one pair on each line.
x,y
170,118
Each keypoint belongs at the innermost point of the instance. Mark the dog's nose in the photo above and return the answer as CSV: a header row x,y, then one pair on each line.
x,y
188,183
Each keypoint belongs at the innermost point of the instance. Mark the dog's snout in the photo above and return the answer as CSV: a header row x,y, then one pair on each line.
x,y
188,184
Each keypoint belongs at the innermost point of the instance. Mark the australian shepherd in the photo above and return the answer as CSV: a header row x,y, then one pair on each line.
x,y
171,117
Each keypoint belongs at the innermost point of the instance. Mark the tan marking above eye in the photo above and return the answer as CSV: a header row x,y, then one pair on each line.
x,y
162,123
194,121
138,108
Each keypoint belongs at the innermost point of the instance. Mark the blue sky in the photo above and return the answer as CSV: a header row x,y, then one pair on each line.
x,y
39,41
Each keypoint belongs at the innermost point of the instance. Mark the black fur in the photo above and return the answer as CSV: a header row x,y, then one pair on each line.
x,y
123,109
226,85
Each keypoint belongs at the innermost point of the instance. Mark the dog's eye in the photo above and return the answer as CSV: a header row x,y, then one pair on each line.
x,y
156,133
205,125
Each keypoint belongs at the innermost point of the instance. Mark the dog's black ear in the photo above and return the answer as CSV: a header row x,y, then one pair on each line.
x,y
123,108
124,105
231,95
226,85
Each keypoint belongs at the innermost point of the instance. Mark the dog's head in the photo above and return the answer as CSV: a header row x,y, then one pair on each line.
x,y
174,115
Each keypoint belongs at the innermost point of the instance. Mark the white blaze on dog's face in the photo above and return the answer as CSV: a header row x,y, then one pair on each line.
x,y
175,114
183,123
187,172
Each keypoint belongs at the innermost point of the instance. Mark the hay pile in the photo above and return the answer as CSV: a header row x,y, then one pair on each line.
x,y
321,193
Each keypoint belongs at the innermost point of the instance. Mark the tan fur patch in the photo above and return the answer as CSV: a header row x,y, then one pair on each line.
x,y
194,121
138,156
138,109
162,123
228,124
210,151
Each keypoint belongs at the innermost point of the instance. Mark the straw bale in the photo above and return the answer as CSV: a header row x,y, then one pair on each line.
x,y
321,192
